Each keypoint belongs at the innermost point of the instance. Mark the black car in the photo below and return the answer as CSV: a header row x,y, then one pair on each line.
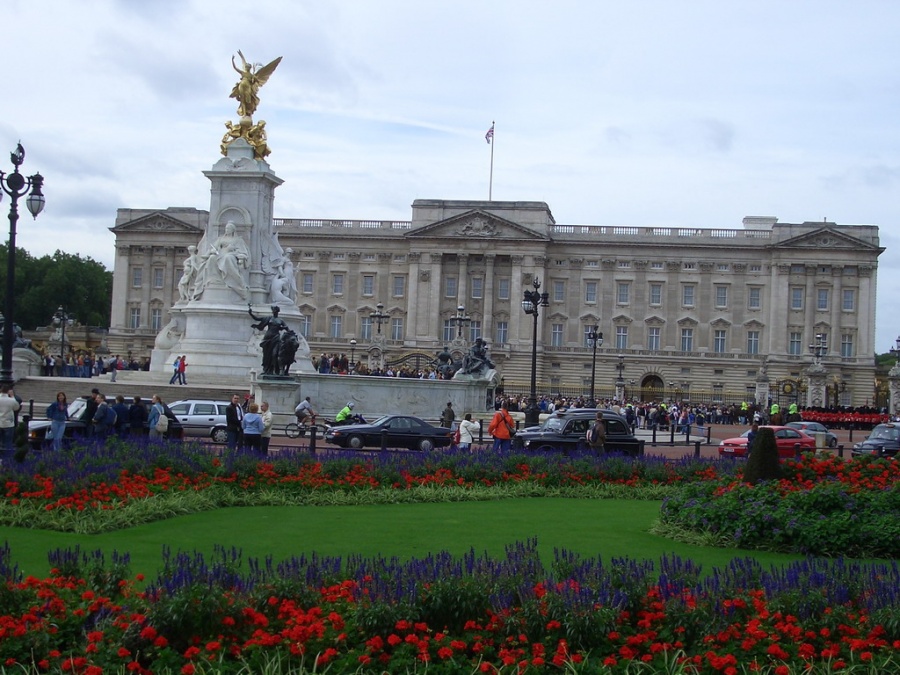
x,y
397,431
78,422
566,431
884,441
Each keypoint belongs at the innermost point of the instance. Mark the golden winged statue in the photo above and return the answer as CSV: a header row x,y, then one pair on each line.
x,y
253,76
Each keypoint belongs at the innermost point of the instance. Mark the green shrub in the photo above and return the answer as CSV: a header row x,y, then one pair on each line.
x,y
762,463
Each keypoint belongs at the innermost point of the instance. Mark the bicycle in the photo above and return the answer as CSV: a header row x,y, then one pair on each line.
x,y
297,430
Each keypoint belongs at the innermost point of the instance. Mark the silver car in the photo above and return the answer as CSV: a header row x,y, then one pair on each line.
x,y
203,418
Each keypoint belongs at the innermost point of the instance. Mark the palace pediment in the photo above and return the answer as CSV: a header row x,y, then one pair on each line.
x,y
477,225
157,221
826,238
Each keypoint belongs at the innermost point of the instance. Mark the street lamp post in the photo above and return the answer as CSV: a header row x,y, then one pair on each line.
x,y
620,379
16,185
352,356
62,319
819,348
460,319
531,303
379,316
594,340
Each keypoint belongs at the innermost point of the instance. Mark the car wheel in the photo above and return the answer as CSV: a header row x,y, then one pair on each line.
x,y
545,448
219,435
426,445
356,442
832,443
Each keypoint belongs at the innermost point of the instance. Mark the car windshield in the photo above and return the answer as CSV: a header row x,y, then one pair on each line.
x,y
553,424
885,433
75,408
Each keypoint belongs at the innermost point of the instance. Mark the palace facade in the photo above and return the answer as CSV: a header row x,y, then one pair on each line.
x,y
699,314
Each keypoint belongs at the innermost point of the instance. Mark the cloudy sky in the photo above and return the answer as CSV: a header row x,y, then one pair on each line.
x,y
639,112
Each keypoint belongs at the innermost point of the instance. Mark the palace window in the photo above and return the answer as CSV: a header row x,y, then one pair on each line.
x,y
719,341
502,332
653,338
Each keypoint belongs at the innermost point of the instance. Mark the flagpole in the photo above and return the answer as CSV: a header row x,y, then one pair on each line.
x,y
491,179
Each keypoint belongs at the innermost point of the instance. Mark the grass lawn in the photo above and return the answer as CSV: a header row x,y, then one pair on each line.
x,y
606,527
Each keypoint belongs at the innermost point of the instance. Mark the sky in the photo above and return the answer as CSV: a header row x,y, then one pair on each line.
x,y
690,113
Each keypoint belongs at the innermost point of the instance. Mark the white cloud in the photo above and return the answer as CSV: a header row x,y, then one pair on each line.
x,y
640,113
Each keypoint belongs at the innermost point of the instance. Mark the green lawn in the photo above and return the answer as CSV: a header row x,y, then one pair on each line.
x,y
605,527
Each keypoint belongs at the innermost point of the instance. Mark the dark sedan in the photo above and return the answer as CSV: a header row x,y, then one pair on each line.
x,y
884,441
566,430
396,431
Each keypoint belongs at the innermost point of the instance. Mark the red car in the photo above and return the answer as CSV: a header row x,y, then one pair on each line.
x,y
785,437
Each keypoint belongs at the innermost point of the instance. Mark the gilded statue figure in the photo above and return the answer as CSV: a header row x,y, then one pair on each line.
x,y
253,76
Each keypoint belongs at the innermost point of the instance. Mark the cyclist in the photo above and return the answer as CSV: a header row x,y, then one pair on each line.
x,y
345,415
304,412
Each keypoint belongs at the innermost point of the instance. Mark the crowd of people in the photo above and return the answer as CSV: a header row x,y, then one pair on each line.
x,y
339,364
86,364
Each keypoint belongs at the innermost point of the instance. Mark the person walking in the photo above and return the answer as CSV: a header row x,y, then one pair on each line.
x,y
175,366
448,415
502,428
182,367
267,427
58,414
234,415
467,431
252,426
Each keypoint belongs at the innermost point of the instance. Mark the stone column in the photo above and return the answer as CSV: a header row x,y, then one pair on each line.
x,y
463,285
487,323
815,393
515,301
434,310
412,303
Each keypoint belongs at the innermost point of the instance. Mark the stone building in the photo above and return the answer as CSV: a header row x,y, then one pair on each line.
x,y
699,314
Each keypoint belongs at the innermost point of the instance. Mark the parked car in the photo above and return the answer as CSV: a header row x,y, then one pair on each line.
x,y
77,424
884,441
812,428
786,438
402,431
565,430
204,418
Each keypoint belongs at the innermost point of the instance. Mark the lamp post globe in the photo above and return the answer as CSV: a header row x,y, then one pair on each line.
x,y
352,368
16,185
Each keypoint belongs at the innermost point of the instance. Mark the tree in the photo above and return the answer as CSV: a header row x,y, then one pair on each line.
x,y
763,464
82,286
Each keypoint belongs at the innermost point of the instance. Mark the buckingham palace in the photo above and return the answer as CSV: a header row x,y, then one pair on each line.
x,y
692,313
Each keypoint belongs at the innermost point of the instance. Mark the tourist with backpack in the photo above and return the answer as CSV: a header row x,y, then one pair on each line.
x,y
596,434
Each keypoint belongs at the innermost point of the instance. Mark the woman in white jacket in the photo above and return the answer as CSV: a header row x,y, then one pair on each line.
x,y
467,431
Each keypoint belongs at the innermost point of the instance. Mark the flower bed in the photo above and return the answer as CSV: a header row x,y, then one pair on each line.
x,y
443,614
827,507
453,615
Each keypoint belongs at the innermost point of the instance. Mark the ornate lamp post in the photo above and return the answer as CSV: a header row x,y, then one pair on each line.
x,y
62,319
16,185
594,340
379,316
620,379
531,303
820,347
459,320
352,356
